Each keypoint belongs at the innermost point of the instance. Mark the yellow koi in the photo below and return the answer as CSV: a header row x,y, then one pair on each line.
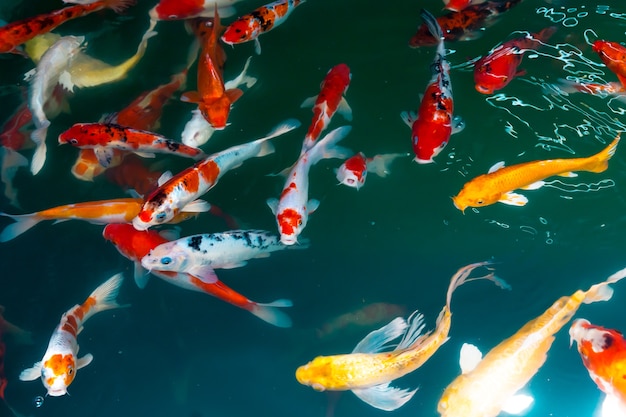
x,y
488,386
367,371
498,184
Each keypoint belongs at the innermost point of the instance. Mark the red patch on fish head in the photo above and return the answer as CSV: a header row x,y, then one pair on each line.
x,y
238,31
216,112
289,221
58,373
178,9
132,243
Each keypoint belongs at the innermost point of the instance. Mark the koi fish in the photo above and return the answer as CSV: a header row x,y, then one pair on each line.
x,y
293,207
330,100
603,352
87,166
12,139
19,335
134,245
602,90
458,5
488,386
104,137
613,55
121,210
214,101
498,184
464,25
199,253
174,195
60,363
187,9
250,26
132,174
16,33
54,62
374,314
497,69
432,126
353,171
368,370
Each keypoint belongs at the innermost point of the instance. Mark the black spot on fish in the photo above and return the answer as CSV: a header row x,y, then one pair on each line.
x,y
195,242
608,341
172,146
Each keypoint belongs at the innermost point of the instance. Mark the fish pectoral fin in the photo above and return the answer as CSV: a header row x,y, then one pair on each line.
x,y
534,186
513,199
205,273
145,154
384,397
272,203
233,265
84,361
517,404
191,97
257,46
233,94
379,339
31,374
496,166
312,205
104,155
308,102
165,177
409,117
197,206
344,109
141,276
65,79
469,358
568,174
170,234
520,73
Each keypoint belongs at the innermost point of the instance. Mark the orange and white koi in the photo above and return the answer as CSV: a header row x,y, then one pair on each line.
x,y
432,126
368,370
104,137
54,62
498,184
330,100
293,207
174,195
489,385
353,171
458,5
250,26
213,99
16,33
497,69
603,352
121,210
135,244
187,9
60,363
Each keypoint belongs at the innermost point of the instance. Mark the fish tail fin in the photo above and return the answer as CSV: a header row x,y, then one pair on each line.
x,y
39,157
463,275
282,128
104,297
602,291
23,222
271,314
380,164
600,161
10,161
327,147
118,6
546,33
432,24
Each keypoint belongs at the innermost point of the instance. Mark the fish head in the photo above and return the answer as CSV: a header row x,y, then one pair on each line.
x,y
593,340
475,194
165,257
496,70
216,112
57,373
316,374
351,178
291,222
239,31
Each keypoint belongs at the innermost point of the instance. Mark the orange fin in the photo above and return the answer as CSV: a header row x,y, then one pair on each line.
x,y
234,94
191,97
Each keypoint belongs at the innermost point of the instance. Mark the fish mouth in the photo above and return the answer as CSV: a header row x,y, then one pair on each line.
x,y
57,392
424,161
140,225
458,205
484,90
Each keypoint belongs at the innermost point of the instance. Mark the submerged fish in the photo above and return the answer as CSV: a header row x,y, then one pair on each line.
x,y
489,385
368,370
499,183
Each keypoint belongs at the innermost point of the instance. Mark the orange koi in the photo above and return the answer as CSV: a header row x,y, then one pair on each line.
x,y
16,33
613,55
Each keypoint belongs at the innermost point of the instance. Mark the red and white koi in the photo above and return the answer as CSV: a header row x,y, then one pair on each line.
x,y
195,254
293,207
135,244
175,194
54,62
187,9
16,33
60,363
353,171
458,5
249,26
434,123
104,137
330,100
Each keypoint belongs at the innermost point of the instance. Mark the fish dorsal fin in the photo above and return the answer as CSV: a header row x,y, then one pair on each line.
x,y
470,357
384,397
513,199
496,166
377,340
165,177
84,361
517,404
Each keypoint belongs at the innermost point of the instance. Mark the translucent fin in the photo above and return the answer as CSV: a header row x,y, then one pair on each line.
x,y
39,157
141,276
496,166
518,404
31,374
105,295
84,361
271,314
384,397
408,117
379,339
534,186
414,331
380,164
197,206
470,357
513,199
22,223
344,109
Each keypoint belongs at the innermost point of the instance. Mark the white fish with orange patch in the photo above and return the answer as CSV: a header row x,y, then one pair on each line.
x,y
60,363
293,207
353,171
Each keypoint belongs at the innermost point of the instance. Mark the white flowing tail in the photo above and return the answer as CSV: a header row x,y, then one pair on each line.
x,y
271,314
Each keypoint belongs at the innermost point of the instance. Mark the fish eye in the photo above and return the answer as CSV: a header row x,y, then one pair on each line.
x,y
480,202
166,260
160,217
70,370
74,141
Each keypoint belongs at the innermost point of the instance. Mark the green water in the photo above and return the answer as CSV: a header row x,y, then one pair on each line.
x,y
397,240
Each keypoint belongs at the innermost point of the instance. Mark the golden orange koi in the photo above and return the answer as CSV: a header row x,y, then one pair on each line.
x,y
498,184
488,386
367,371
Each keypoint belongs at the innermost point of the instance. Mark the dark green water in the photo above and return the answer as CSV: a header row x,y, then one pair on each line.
x,y
397,240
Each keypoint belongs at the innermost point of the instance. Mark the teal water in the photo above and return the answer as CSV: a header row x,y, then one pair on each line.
x,y
397,240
